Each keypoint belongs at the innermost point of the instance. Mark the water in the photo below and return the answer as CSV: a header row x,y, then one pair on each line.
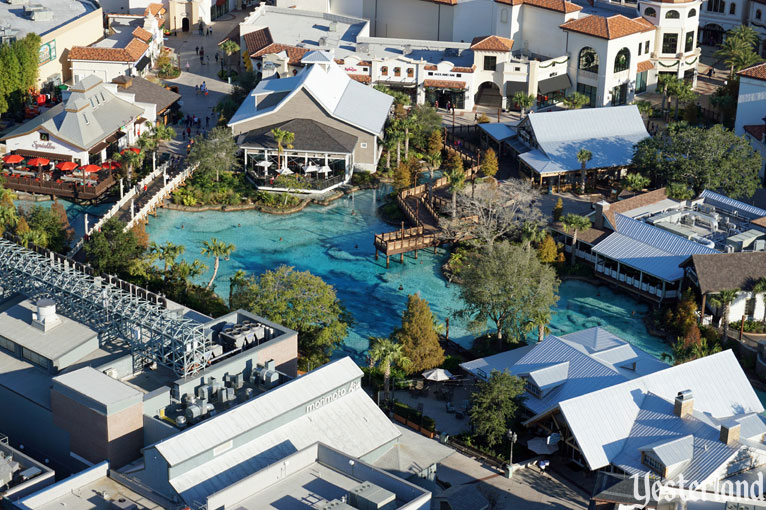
x,y
335,243
75,212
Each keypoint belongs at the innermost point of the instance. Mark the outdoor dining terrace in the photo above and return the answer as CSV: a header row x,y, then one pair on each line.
x,y
297,172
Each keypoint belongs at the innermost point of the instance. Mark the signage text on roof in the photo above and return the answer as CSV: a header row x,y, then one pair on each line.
x,y
332,397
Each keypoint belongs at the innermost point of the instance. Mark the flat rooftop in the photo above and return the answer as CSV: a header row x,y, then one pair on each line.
x,y
123,33
16,325
64,11
100,494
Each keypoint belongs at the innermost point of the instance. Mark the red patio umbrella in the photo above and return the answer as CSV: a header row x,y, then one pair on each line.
x,y
66,166
111,165
12,159
134,149
89,169
38,162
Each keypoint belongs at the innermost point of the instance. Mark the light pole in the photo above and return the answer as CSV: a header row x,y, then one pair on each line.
x,y
513,438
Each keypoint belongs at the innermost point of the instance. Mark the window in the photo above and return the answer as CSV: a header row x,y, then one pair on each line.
x,y
672,15
670,43
490,63
397,71
692,13
639,49
641,82
45,137
654,463
504,16
588,60
588,91
733,8
363,145
384,71
758,14
689,45
649,11
646,47
7,345
34,358
410,72
622,60
716,6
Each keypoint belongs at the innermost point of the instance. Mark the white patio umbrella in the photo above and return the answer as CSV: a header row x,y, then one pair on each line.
x,y
310,168
437,374
285,171
325,170
265,163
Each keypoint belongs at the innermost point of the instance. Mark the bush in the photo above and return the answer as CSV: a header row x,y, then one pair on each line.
x,y
413,415
364,179
750,326
483,119
452,363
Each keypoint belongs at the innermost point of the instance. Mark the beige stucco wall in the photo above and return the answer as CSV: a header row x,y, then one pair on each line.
x,y
302,106
82,31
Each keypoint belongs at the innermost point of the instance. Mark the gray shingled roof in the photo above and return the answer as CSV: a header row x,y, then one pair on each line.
x,y
721,271
310,135
148,92
90,114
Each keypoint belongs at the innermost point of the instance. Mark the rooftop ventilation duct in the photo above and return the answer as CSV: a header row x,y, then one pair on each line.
x,y
45,317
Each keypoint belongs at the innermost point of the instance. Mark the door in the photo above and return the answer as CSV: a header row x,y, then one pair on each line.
x,y
185,25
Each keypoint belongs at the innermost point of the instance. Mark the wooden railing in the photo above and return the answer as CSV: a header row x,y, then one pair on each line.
x,y
74,190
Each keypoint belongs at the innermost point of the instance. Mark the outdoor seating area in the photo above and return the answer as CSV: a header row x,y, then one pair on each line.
x,y
310,172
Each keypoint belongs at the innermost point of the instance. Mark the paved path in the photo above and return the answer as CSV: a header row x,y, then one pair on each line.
x,y
143,196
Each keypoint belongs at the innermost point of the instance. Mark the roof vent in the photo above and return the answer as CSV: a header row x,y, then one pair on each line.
x,y
37,12
333,26
729,433
16,2
45,318
684,404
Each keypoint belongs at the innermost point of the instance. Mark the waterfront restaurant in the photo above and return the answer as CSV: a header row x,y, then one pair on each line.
x,y
88,127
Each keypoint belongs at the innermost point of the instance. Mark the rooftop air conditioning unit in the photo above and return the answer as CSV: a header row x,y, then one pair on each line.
x,y
17,2
111,372
333,26
363,48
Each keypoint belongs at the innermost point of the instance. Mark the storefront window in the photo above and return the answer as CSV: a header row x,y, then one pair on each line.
x,y
550,98
589,91
444,96
641,82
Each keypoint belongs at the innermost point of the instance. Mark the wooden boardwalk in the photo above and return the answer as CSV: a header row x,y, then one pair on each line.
x,y
418,206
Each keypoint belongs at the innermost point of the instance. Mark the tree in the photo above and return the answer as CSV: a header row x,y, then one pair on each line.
x,y
388,353
19,61
679,191
576,100
153,139
402,176
489,163
435,147
111,250
724,299
558,209
496,404
524,101
217,249
713,158
575,223
216,152
394,137
759,289
644,108
236,281
418,336
583,156
229,48
547,252
507,294
408,123
635,182
540,320
130,160
9,218
456,176
284,139
495,209
400,98
738,50
46,221
682,91
300,301
167,253
60,212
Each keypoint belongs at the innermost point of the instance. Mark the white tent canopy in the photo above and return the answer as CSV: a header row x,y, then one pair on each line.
x,y
437,374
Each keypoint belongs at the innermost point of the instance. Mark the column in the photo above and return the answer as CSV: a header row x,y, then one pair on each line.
x,y
122,190
85,220
132,208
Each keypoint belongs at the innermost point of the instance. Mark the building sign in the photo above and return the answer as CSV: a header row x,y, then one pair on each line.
x,y
332,397
350,69
446,75
47,52
37,144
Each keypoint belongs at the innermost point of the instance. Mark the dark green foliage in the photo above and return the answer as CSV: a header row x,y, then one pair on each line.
x,y
111,250
495,405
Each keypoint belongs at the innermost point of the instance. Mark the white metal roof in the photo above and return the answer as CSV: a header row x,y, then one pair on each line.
x,y
263,408
672,451
730,204
608,133
340,96
718,383
499,131
550,376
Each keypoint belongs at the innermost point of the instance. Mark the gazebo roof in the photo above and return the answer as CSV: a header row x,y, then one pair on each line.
x,y
310,136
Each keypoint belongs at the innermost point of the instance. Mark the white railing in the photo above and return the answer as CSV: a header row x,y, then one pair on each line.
x,y
159,197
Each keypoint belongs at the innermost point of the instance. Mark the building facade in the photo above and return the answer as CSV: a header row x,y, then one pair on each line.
x,y
751,107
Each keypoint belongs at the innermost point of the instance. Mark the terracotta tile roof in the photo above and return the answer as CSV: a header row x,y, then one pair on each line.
x,y
130,53
757,71
759,222
646,65
142,34
364,63
629,204
756,131
445,2
257,40
339,61
554,5
444,84
361,78
612,27
431,68
491,43
294,54
154,9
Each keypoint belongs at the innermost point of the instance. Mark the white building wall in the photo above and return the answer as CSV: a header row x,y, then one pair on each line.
x,y
353,8
751,103
759,146
538,34
107,71
737,308
474,18
31,141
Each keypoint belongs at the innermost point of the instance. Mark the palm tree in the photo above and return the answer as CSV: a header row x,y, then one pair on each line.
x,y
456,177
395,135
760,289
283,138
575,101
229,48
387,353
9,217
167,253
583,156
410,122
130,160
7,197
217,249
524,101
644,108
152,139
682,91
239,279
186,271
36,237
540,320
576,223
531,233
738,50
724,299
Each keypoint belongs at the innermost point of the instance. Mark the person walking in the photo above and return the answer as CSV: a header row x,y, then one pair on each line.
x,y
207,121
216,57
207,61
196,50
187,66
196,89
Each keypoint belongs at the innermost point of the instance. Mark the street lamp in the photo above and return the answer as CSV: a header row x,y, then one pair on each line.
x,y
513,438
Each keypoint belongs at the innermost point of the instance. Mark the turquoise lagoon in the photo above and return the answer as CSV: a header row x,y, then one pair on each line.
x,y
336,243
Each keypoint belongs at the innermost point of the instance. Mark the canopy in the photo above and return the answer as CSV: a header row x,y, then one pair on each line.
x,y
310,168
544,445
437,374
12,159
265,163
325,170
90,168
38,162
66,166
285,171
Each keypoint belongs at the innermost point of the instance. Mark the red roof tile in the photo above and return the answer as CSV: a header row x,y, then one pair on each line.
x,y
491,43
646,65
154,9
612,27
756,131
294,54
257,40
142,34
757,71
463,69
361,78
131,53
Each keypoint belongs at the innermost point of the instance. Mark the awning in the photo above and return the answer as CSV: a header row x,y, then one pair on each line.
x,y
140,121
444,84
646,65
511,87
553,84
42,154
99,147
143,62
